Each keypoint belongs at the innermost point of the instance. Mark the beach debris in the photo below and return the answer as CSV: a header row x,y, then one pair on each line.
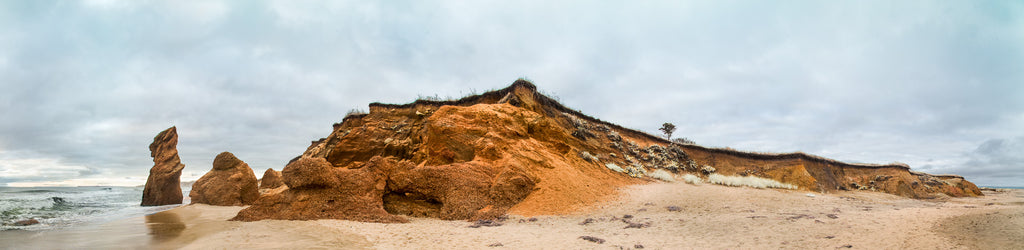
x,y
592,239
845,246
757,216
495,244
648,204
531,219
674,208
642,210
485,223
637,225
830,237
832,216
163,187
638,246
810,195
587,221
628,216
27,222
230,183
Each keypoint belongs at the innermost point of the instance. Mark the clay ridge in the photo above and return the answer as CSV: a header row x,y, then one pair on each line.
x,y
555,106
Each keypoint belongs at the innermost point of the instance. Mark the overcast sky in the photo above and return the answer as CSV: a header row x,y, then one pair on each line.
x,y
85,85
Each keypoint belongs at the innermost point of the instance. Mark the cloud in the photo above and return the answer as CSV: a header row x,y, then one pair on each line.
x,y
997,161
15,167
90,83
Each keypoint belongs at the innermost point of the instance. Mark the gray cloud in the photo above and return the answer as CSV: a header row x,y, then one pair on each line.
x,y
86,85
997,161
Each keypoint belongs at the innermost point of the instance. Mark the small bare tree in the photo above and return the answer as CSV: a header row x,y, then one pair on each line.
x,y
668,128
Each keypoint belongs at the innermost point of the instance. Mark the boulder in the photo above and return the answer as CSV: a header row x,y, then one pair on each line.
x,y
27,222
230,183
163,187
271,179
309,173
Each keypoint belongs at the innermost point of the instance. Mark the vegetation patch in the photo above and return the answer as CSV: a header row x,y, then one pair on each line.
x,y
692,179
615,168
661,174
749,181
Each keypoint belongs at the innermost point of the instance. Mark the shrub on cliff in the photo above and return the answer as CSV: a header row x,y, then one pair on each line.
x,y
661,174
692,179
749,181
615,168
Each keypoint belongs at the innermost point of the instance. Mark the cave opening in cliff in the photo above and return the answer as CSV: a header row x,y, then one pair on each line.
x,y
411,204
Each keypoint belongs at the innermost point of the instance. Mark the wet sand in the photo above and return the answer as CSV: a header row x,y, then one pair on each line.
x,y
661,216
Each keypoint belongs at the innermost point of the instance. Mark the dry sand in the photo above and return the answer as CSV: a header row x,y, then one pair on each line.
x,y
708,216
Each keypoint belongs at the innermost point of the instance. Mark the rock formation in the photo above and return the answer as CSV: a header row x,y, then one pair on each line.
x,y
271,179
230,183
316,190
28,222
163,187
516,150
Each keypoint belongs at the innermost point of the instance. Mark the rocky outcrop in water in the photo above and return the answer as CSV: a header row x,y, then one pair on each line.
x,y
230,183
163,187
28,222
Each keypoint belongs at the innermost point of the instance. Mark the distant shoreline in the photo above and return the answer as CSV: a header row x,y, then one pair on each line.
x,y
1003,188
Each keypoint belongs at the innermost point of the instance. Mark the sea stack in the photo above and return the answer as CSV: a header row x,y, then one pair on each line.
x,y
164,184
230,183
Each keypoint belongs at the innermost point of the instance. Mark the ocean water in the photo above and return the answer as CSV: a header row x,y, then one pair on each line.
x,y
65,207
1003,187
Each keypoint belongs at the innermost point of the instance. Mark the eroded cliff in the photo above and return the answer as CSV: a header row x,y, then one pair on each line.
x,y
516,150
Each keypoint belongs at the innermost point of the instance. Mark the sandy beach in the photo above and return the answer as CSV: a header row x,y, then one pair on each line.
x,y
650,216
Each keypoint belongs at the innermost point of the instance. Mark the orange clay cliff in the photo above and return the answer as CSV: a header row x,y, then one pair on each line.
x,y
515,150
